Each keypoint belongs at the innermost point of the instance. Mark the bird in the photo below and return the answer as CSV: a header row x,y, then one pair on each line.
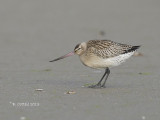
x,y
103,54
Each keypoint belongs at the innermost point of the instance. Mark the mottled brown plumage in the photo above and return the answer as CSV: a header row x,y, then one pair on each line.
x,y
107,48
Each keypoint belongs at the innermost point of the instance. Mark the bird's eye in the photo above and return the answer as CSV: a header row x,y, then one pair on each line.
x,y
78,49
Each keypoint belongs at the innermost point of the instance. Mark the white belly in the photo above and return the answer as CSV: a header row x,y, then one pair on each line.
x,y
97,62
114,61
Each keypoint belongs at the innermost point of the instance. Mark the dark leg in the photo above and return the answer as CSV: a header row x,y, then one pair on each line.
x,y
98,85
108,72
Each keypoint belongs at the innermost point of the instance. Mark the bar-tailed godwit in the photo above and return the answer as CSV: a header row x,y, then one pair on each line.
x,y
102,54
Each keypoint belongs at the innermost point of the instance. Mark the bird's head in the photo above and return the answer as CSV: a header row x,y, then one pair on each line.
x,y
80,48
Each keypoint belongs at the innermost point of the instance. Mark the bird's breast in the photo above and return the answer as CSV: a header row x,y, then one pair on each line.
x,y
93,61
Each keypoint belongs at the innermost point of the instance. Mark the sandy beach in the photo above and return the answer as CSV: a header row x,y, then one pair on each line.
x,y
34,32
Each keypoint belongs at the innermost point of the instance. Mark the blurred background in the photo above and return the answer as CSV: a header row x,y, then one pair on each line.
x,y
33,32
35,27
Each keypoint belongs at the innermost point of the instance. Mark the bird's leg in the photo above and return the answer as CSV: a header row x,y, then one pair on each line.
x,y
108,72
98,85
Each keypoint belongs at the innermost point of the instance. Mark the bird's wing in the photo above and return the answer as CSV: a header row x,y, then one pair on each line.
x,y
108,48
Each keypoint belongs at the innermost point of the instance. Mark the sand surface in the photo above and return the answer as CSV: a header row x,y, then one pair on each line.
x,y
33,32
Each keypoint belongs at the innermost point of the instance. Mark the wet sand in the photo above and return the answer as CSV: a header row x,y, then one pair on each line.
x,y
33,32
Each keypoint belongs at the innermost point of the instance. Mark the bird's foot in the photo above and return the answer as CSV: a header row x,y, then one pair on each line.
x,y
96,86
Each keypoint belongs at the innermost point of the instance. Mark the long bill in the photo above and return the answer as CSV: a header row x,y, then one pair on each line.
x,y
64,56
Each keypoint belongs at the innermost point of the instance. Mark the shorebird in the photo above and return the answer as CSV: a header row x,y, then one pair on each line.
x,y
102,54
